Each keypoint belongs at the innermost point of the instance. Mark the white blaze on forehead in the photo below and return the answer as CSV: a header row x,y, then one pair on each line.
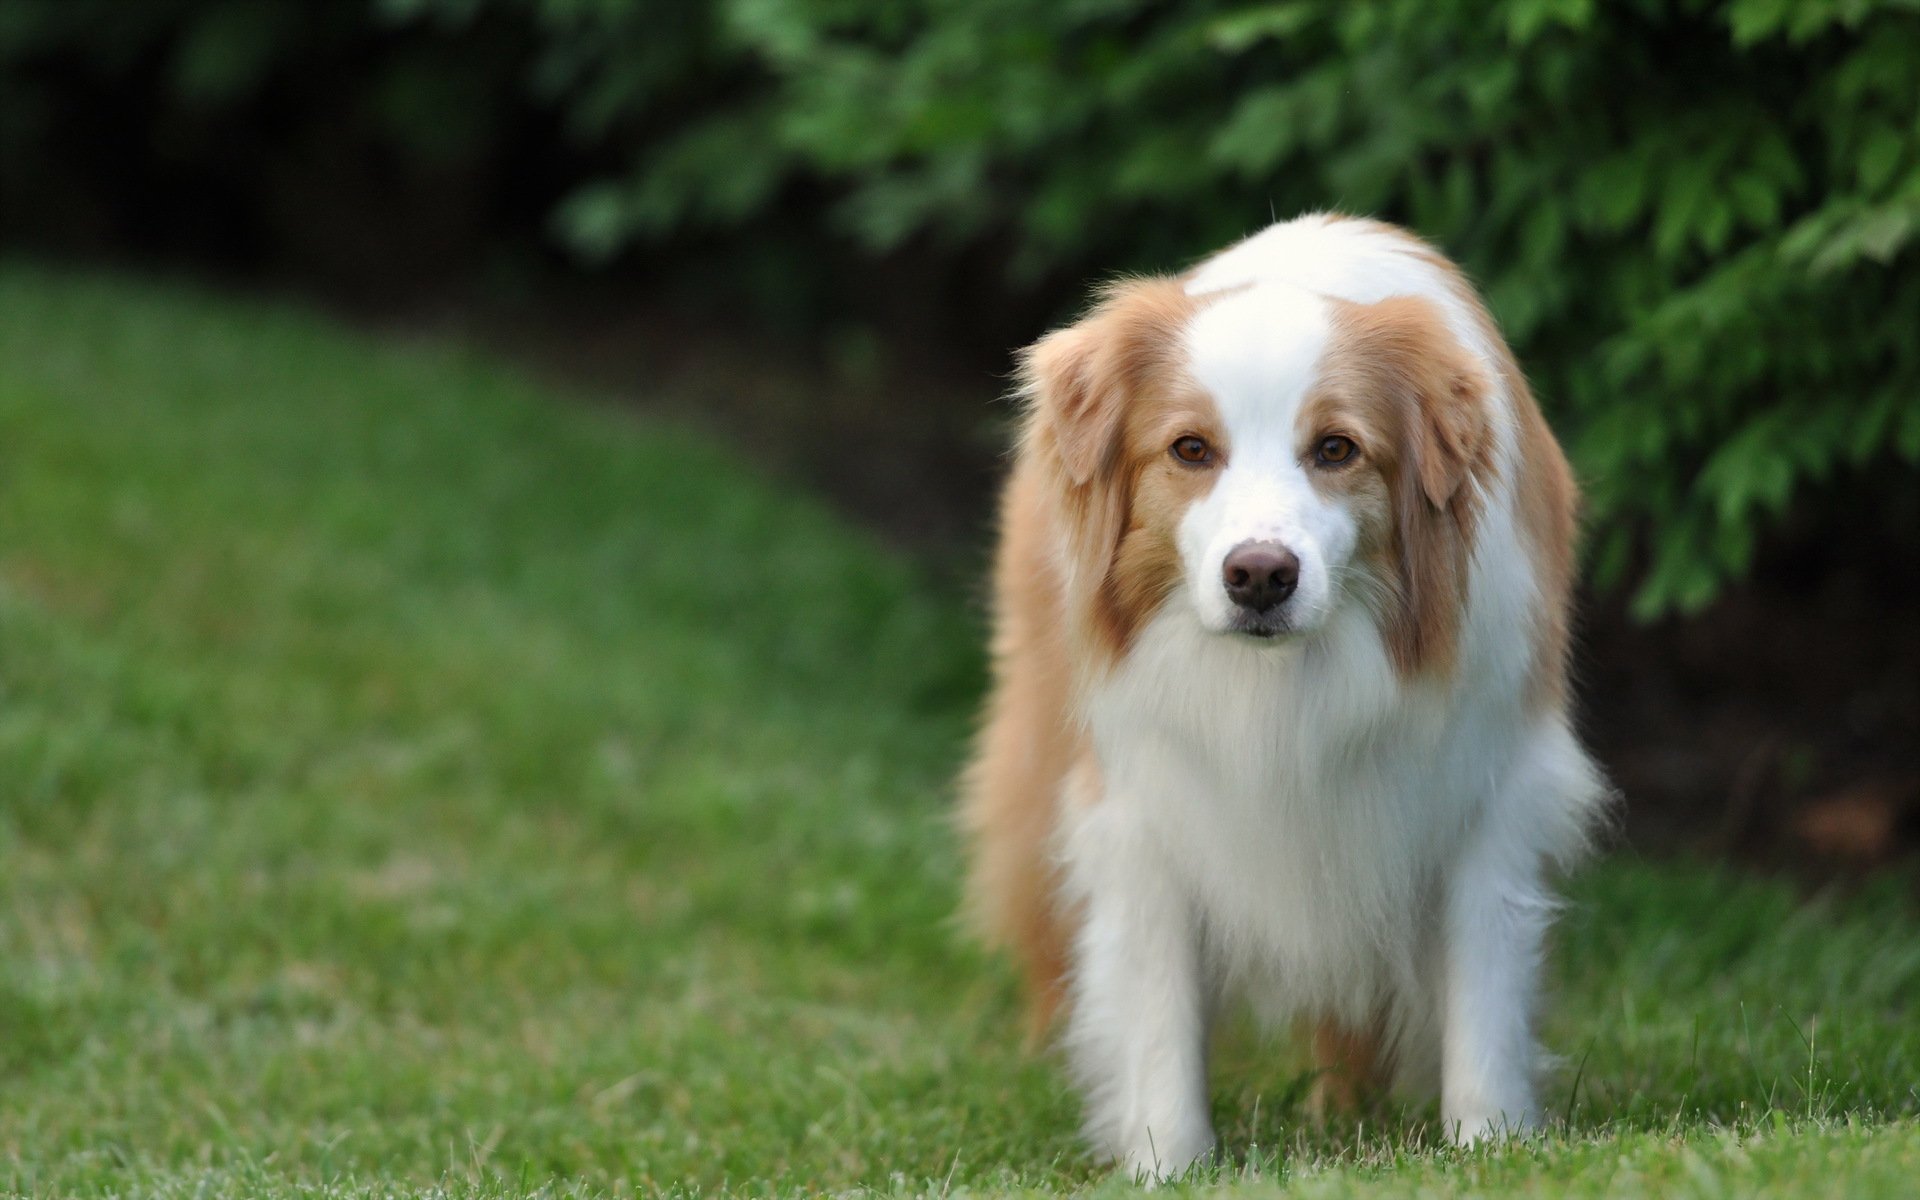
x,y
1256,352
1354,260
1361,261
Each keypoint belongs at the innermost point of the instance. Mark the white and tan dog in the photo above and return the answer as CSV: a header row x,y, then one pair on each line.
x,y
1280,703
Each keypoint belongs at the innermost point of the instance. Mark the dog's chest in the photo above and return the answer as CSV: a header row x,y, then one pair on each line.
x,y
1301,800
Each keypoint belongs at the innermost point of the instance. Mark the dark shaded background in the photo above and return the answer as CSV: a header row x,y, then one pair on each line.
x,y
672,203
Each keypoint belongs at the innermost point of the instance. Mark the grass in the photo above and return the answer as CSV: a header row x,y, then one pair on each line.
x,y
414,783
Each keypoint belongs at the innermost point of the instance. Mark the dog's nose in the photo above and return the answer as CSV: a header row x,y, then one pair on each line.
x,y
1260,575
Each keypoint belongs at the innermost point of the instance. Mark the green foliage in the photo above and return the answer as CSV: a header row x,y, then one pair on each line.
x,y
1697,219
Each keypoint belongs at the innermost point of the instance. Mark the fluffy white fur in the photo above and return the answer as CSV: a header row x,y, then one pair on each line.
x,y
1288,820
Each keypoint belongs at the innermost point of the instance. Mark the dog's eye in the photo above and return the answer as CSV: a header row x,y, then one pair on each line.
x,y
1334,450
1192,450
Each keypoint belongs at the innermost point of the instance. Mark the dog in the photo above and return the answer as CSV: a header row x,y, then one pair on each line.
x,y
1280,705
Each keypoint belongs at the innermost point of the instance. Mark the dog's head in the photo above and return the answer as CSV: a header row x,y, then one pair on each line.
x,y
1260,458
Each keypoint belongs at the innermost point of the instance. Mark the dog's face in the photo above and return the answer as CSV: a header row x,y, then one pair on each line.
x,y
1264,457
1265,553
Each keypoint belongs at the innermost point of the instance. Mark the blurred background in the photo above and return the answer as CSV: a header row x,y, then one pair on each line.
x,y
818,230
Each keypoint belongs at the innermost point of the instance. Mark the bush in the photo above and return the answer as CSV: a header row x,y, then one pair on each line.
x,y
1697,220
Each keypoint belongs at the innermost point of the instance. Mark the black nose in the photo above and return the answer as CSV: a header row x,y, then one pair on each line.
x,y
1260,575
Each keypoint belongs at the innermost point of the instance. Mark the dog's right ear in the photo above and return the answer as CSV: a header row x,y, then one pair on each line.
x,y
1076,403
1077,379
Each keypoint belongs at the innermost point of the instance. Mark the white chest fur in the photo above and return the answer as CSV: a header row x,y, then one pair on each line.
x,y
1299,822
1300,797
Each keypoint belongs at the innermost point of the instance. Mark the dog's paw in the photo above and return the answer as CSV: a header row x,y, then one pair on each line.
x,y
1158,1159
1475,1127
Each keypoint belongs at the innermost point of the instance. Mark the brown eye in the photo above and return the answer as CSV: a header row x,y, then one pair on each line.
x,y
1192,450
1335,450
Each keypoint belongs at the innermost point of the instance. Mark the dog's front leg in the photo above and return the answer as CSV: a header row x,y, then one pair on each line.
x,y
1496,919
1137,1029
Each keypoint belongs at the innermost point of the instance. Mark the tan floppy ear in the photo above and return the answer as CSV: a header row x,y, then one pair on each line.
x,y
1078,380
1454,431
1408,353
1451,432
1075,401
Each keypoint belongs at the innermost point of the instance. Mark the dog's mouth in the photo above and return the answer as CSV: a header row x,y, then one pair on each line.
x,y
1263,626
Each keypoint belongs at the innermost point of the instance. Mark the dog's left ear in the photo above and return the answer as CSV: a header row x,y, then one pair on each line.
x,y
1451,431
1442,393
1454,433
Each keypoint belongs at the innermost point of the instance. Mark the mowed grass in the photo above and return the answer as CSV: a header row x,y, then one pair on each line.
x,y
413,782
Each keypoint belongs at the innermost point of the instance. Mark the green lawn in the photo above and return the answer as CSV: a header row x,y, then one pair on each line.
x,y
413,782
